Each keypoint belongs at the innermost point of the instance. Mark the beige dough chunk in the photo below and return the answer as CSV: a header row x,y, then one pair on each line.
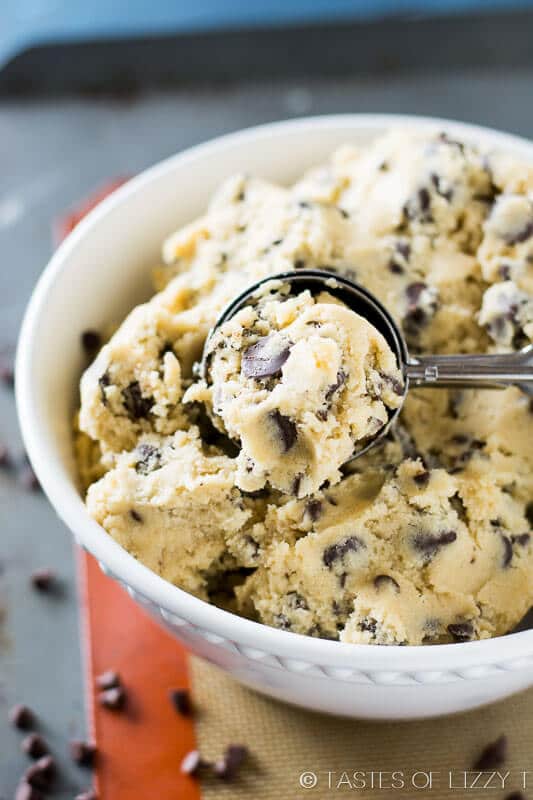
x,y
300,384
171,505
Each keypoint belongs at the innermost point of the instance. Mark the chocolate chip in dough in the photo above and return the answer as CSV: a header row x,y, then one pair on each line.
x,y
314,509
382,581
336,552
429,544
137,406
286,430
461,631
265,358
149,458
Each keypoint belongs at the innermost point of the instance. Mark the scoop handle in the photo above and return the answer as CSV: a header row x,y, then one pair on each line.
x,y
471,371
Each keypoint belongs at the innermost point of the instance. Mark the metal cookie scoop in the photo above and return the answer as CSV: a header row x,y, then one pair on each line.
x,y
458,371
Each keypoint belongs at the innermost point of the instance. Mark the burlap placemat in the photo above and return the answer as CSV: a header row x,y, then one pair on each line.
x,y
286,742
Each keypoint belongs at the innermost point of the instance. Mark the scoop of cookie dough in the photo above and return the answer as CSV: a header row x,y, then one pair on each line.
x,y
300,383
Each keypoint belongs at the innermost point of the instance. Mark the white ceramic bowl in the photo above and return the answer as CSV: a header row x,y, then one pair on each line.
x,y
96,276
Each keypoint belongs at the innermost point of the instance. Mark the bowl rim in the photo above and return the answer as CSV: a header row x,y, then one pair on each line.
x,y
64,495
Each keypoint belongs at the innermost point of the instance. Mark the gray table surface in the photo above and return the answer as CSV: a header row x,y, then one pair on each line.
x,y
51,154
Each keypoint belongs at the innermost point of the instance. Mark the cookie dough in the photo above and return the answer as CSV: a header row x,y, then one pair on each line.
x,y
300,383
425,539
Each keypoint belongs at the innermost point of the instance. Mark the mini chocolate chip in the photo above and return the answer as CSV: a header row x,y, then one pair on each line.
x,y
296,600
181,700
459,507
521,539
493,755
41,774
114,699
504,272
297,482
103,382
149,458
135,515
91,341
192,763
436,180
43,579
461,631
336,552
286,428
90,794
368,624
429,543
340,381
34,746
299,263
21,717
83,753
386,580
422,478
413,293
261,360
108,679
25,791
507,551
282,621
522,235
314,509
137,406
529,513
229,765
395,268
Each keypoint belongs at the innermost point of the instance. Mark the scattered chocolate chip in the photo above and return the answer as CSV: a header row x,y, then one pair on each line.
x,y
28,479
5,458
135,515
229,765
90,794
504,272
41,774
507,551
21,717
422,478
295,600
108,680
429,543
459,507
336,552
386,580
181,700
529,513
149,458
493,756
286,429
7,373
368,625
114,699
34,746
25,791
137,406
43,579
192,763
314,509
91,341
461,631
83,753
263,359
395,268
437,182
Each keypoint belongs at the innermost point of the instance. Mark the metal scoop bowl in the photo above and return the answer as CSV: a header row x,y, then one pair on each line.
x,y
436,371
